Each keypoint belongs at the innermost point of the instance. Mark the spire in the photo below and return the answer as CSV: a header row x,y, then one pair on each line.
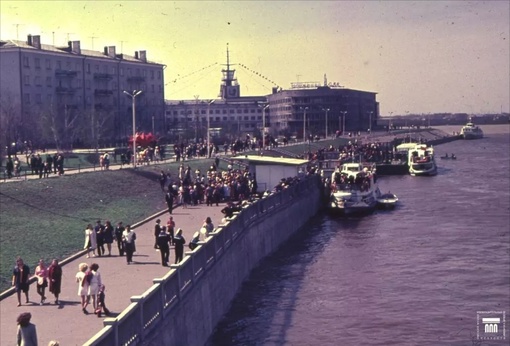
x,y
229,86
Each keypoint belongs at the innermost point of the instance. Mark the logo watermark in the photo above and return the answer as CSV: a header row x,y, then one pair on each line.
x,y
490,325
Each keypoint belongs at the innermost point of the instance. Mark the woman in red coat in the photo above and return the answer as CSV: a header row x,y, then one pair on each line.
x,y
55,278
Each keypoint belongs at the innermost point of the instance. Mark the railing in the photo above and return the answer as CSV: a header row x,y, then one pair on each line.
x,y
147,310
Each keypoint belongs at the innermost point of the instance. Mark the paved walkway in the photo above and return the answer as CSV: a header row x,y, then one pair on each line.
x,y
66,322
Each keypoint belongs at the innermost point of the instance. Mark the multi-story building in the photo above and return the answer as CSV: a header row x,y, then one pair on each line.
x,y
73,95
230,116
317,109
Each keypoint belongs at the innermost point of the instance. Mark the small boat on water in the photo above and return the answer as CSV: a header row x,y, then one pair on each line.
x,y
387,201
471,131
421,161
353,189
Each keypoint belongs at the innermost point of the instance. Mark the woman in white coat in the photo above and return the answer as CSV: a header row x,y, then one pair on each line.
x,y
90,241
94,284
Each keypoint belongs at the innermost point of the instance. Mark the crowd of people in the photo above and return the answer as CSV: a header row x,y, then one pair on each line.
x,y
51,164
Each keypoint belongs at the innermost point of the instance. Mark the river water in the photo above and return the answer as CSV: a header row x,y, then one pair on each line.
x,y
416,275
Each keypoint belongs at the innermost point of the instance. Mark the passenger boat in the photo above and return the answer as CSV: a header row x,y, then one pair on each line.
x,y
422,161
387,201
471,131
353,189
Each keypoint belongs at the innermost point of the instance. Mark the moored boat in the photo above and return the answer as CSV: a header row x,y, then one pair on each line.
x,y
471,131
422,161
353,189
387,201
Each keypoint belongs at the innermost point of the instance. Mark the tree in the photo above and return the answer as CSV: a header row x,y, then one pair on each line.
x,y
10,121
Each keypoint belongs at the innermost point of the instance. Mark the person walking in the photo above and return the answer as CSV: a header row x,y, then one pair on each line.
x,y
27,333
95,284
20,276
41,273
179,242
163,241
118,237
108,236
170,227
83,286
99,229
169,198
55,278
129,237
157,230
90,241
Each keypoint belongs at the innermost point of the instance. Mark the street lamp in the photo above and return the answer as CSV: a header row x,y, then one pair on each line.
x,y
343,120
133,98
370,122
209,124
326,110
264,125
304,122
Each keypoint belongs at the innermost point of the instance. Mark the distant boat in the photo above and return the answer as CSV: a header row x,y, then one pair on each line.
x,y
471,131
421,161
451,157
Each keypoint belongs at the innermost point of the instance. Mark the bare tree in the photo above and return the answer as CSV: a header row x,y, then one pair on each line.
x,y
10,121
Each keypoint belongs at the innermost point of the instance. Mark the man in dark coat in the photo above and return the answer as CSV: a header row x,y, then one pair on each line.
x,y
157,230
169,198
163,241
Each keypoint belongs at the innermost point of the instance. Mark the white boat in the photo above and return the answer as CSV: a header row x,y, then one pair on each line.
x,y
387,201
353,189
471,131
421,161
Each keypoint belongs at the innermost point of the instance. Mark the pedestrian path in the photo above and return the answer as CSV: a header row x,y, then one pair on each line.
x,y
66,322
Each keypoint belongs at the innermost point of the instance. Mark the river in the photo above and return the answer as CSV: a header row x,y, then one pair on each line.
x,y
423,274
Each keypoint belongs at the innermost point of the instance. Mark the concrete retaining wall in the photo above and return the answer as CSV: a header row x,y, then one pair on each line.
x,y
193,320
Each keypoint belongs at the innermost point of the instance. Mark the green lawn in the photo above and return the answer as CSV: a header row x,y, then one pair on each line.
x,y
46,218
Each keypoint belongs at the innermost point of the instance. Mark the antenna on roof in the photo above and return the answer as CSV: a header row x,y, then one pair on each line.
x,y
122,45
17,35
93,37
68,33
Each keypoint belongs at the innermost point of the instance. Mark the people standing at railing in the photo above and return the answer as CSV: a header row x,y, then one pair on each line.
x,y
163,241
129,237
90,241
20,277
41,274
83,286
55,279
179,242
208,226
118,237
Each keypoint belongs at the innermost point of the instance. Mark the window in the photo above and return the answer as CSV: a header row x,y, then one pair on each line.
x,y
246,111
48,64
68,65
27,99
121,71
88,68
252,110
152,74
37,63
26,80
152,87
224,118
159,74
97,67
25,61
38,98
87,84
246,118
48,81
59,64
231,111
37,80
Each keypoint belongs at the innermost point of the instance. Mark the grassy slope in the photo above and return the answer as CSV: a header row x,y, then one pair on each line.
x,y
46,218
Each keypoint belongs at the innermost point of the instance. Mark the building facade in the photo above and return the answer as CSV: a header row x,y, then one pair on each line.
x,y
314,109
230,116
75,96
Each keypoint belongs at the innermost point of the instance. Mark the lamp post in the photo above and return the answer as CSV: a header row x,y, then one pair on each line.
x,y
326,110
370,122
209,124
304,122
264,107
133,98
343,120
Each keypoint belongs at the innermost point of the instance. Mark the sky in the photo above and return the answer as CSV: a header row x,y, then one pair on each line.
x,y
418,56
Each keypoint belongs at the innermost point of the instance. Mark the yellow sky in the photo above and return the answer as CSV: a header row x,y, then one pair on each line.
x,y
420,57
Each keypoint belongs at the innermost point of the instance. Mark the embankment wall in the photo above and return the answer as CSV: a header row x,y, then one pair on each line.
x,y
193,319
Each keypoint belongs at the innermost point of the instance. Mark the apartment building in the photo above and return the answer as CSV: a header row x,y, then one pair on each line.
x,y
68,92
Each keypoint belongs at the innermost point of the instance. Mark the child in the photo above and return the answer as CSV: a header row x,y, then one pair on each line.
x,y
100,303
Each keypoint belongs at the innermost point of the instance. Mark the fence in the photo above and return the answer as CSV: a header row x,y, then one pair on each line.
x,y
144,313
